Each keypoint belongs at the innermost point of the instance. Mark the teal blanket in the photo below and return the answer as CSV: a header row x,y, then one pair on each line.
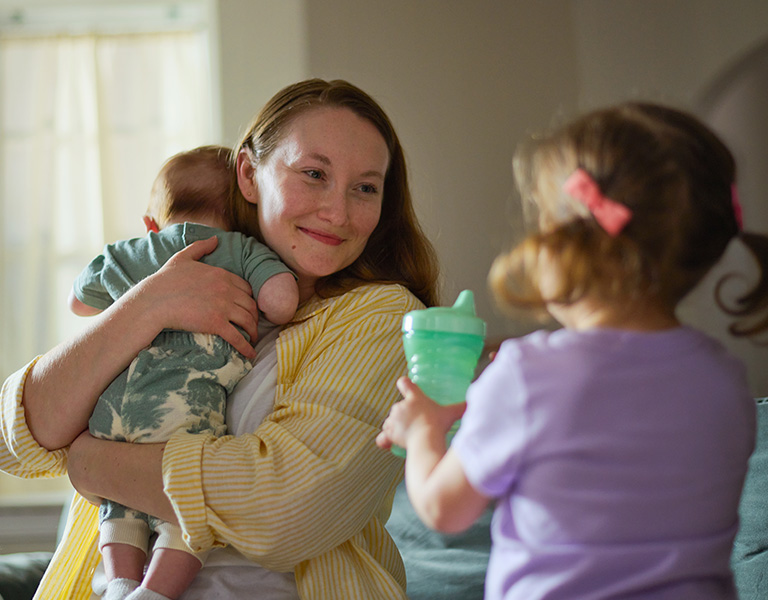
x,y
749,560
440,566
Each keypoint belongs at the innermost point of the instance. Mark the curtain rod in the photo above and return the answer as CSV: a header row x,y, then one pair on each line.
x,y
92,18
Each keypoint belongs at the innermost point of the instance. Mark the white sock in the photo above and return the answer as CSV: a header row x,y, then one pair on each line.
x,y
142,593
119,589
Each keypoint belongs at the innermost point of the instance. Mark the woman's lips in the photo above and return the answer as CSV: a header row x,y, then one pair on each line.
x,y
324,238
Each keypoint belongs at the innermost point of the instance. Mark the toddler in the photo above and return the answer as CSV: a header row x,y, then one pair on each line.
x,y
614,449
183,379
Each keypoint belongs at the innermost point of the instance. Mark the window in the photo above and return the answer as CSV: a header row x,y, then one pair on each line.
x,y
92,101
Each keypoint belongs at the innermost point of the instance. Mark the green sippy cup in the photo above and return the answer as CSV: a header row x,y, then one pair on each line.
x,y
442,346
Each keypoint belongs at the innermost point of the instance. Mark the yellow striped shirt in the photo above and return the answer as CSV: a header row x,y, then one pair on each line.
x,y
308,491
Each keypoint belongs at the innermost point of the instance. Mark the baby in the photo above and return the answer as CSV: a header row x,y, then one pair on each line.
x,y
183,379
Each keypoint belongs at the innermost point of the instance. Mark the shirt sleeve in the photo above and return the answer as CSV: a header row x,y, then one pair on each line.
x,y
20,454
88,287
310,477
494,431
123,264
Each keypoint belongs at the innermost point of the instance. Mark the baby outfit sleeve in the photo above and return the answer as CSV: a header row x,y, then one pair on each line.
x,y
88,287
494,431
122,265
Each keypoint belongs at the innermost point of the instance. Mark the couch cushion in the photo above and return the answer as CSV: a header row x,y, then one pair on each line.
x,y
20,573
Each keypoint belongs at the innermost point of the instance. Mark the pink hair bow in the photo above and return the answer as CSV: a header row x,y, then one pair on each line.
x,y
738,213
611,215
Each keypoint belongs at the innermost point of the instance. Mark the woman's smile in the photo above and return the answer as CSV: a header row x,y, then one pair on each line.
x,y
323,238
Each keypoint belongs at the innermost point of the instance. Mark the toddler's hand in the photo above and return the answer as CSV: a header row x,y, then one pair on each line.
x,y
416,414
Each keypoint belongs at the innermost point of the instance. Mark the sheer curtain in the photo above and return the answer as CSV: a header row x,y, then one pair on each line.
x,y
85,123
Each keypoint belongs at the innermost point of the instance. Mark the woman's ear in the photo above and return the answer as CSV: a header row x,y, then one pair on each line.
x,y
246,177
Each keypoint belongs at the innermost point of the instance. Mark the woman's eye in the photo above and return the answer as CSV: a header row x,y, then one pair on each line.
x,y
314,174
368,188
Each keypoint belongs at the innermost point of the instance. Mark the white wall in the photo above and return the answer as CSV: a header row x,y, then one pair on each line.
x,y
466,80
262,48
667,50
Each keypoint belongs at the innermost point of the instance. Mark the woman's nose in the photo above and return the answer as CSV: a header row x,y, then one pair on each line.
x,y
333,207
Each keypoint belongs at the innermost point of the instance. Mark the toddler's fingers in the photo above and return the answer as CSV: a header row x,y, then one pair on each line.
x,y
383,441
456,410
405,385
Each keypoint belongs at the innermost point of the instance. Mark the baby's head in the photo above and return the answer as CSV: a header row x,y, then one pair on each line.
x,y
194,185
670,175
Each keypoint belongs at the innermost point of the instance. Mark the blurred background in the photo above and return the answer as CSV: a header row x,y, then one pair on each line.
x,y
95,95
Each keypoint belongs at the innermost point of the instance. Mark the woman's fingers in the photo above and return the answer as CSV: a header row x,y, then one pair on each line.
x,y
232,335
196,250
194,296
189,295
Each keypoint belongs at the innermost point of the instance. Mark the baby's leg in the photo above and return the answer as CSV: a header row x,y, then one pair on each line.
x,y
173,565
171,572
123,561
123,540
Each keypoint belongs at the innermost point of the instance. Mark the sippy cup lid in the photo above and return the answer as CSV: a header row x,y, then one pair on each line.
x,y
460,318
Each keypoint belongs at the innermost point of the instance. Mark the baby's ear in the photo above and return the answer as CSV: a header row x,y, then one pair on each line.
x,y
246,177
151,224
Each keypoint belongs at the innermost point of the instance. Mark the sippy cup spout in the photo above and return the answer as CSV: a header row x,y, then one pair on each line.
x,y
465,303
459,318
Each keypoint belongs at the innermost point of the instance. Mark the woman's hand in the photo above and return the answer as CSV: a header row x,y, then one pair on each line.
x,y
191,296
63,386
416,415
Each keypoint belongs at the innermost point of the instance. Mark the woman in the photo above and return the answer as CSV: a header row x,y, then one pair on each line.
x,y
300,497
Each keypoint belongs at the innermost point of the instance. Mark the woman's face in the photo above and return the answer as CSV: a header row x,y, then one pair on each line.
x,y
319,193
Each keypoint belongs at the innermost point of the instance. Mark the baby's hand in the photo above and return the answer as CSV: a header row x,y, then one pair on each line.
x,y
416,414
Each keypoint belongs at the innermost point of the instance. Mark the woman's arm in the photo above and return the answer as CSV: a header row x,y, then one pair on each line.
x,y
64,385
128,473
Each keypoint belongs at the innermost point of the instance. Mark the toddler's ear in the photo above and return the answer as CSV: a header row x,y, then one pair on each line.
x,y
150,224
246,176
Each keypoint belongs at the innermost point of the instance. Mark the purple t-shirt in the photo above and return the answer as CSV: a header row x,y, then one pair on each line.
x,y
617,460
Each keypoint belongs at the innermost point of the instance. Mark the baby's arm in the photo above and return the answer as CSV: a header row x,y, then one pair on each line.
x,y
80,308
279,298
435,480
